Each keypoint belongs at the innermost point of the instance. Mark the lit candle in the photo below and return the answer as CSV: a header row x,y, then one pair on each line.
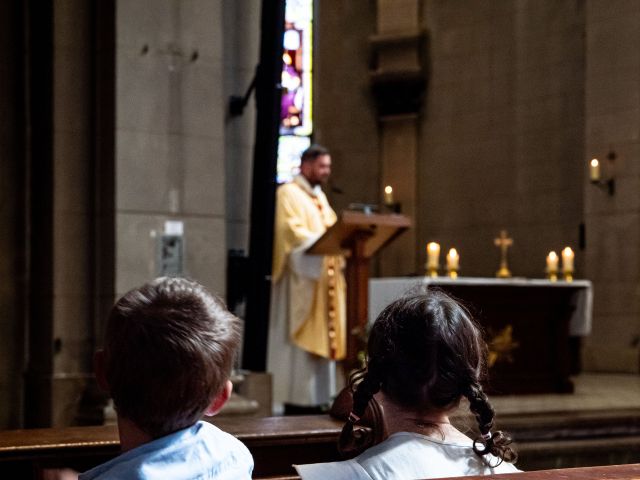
x,y
433,255
567,260
594,170
552,262
453,259
388,195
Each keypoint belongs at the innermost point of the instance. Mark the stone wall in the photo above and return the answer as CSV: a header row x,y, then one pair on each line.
x,y
344,113
521,94
613,222
502,136
177,62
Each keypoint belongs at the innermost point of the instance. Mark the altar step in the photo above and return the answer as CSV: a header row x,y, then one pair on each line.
x,y
599,424
575,440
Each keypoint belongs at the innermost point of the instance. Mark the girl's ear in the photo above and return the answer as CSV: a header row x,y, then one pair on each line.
x,y
219,400
99,369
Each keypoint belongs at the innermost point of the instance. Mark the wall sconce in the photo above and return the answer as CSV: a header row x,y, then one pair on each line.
x,y
608,184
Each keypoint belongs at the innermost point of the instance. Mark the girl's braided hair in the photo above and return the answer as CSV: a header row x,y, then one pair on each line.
x,y
425,352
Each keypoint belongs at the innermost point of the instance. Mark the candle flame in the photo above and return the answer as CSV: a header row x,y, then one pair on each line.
x,y
567,252
553,255
453,253
388,189
433,246
595,162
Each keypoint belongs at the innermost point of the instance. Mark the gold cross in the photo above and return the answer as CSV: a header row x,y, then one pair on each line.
x,y
503,242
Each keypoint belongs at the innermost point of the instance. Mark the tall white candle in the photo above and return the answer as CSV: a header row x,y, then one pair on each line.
x,y
567,259
594,170
433,255
453,259
552,262
388,195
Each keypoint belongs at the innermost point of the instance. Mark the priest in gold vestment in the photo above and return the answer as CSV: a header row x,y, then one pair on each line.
x,y
307,327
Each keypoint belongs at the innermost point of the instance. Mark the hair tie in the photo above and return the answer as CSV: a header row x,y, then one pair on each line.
x,y
353,418
487,436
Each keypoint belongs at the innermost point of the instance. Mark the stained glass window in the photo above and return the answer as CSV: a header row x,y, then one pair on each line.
x,y
289,149
296,102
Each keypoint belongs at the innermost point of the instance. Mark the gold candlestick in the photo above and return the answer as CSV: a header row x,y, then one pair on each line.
x,y
432,271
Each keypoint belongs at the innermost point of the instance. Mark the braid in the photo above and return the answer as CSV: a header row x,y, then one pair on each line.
x,y
496,443
351,443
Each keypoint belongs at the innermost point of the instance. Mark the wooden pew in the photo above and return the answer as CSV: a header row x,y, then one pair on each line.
x,y
277,442
274,442
615,472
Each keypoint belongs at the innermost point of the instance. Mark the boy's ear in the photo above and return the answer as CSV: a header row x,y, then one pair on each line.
x,y
219,400
99,369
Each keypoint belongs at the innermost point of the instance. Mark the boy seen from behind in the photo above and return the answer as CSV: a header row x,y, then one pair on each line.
x,y
168,353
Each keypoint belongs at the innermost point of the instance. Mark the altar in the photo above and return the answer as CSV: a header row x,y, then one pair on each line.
x,y
533,328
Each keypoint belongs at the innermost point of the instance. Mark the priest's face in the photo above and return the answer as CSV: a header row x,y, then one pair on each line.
x,y
317,171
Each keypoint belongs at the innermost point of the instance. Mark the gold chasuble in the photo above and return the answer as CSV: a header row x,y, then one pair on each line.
x,y
317,320
308,295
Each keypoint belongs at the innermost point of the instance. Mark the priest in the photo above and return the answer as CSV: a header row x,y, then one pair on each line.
x,y
307,328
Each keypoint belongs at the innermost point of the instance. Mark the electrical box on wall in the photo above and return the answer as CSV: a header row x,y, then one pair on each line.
x,y
170,250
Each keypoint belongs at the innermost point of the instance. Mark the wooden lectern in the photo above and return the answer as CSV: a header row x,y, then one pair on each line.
x,y
358,236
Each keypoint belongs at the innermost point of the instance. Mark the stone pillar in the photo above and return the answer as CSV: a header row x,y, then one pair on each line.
x,y
70,202
12,214
398,83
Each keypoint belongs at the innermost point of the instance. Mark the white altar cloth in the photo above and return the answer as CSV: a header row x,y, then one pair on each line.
x,y
382,291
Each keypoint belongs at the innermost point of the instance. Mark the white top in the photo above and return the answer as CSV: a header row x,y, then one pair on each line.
x,y
383,291
405,456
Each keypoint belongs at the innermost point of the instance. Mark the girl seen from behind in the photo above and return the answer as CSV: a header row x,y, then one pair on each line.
x,y
424,355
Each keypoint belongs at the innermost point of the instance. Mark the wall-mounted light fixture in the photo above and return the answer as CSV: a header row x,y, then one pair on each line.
x,y
595,174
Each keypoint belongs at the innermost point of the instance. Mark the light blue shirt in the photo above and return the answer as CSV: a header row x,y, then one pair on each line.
x,y
201,451
406,455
